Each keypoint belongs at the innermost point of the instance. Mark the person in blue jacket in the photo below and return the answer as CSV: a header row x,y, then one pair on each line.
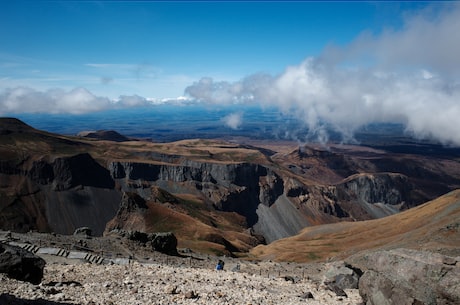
x,y
220,265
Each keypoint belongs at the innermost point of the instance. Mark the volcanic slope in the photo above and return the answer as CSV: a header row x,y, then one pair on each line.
x,y
433,226
233,194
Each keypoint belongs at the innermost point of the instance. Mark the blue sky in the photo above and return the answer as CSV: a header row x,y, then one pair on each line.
x,y
343,63
156,49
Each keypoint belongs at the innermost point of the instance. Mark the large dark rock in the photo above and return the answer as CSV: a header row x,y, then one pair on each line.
x,y
409,277
164,242
20,264
161,242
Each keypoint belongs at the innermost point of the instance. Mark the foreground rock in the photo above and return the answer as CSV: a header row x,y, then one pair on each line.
x,y
404,276
20,264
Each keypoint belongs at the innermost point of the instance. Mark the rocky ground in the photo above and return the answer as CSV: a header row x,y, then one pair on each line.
x,y
87,284
155,278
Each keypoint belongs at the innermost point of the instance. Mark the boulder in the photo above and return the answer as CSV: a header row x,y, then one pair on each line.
x,y
20,264
164,242
403,276
161,242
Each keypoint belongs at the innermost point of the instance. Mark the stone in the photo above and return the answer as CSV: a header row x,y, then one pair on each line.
x,y
347,281
83,231
336,289
343,276
20,264
404,276
170,289
307,295
191,295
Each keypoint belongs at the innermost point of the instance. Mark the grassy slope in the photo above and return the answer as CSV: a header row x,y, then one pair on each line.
x,y
432,225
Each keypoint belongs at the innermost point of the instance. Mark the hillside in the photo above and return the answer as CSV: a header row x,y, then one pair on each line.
x,y
234,194
433,226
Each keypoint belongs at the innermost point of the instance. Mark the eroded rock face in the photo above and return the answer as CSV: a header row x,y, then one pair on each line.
x,y
20,264
239,187
409,277
373,188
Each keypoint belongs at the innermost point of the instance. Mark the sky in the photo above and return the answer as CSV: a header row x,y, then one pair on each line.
x,y
336,64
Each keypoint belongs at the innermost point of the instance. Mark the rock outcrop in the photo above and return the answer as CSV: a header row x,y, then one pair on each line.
x,y
20,264
164,242
404,276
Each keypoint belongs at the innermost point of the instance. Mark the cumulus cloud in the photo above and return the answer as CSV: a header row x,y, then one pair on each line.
x,y
233,120
409,76
76,101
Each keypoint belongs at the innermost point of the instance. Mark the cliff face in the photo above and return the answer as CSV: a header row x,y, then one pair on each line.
x,y
237,187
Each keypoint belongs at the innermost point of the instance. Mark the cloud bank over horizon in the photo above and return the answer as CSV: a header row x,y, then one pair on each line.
x,y
409,76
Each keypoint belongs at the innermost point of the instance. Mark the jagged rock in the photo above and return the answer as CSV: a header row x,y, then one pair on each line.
x,y
131,202
20,264
404,276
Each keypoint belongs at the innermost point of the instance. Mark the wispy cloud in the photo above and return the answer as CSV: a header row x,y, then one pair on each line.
x,y
233,120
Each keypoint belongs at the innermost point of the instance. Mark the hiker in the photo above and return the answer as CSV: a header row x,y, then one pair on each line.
x,y
220,265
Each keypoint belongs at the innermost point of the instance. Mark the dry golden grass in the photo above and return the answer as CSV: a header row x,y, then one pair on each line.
x,y
422,227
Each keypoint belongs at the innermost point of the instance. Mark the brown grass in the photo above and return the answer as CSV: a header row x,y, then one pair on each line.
x,y
425,226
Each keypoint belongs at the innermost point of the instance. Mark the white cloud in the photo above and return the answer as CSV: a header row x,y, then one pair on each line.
x,y
233,120
411,76
76,101
125,101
